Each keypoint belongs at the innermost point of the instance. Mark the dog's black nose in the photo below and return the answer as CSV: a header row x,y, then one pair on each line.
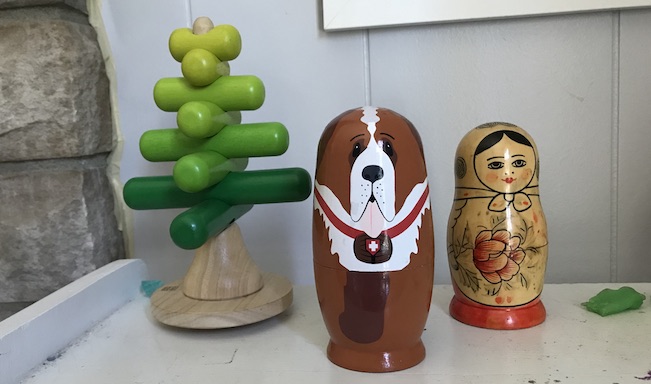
x,y
372,173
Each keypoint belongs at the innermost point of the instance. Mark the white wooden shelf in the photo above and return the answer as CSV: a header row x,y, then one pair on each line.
x,y
572,346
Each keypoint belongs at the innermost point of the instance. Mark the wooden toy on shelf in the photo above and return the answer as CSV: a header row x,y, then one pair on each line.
x,y
222,287
373,240
497,234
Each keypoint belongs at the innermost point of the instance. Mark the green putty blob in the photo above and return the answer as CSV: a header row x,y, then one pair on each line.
x,y
610,301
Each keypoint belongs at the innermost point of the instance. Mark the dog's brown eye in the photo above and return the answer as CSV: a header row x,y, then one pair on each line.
x,y
387,148
357,149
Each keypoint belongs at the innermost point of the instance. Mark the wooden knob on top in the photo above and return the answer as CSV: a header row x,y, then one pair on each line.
x,y
202,25
224,41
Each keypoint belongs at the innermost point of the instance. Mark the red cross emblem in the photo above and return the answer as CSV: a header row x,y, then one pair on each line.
x,y
372,246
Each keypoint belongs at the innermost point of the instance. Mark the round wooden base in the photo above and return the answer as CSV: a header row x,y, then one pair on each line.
x,y
170,306
483,316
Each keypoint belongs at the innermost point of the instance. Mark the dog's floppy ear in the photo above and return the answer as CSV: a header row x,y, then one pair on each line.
x,y
328,132
395,119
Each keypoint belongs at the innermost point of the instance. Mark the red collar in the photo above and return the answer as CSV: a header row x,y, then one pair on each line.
x,y
391,232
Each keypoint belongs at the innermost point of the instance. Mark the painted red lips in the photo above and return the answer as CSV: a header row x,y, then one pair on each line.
x,y
509,180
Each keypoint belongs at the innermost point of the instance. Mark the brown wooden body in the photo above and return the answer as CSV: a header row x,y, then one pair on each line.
x,y
374,302
497,233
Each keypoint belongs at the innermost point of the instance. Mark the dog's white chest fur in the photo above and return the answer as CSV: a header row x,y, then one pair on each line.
x,y
342,229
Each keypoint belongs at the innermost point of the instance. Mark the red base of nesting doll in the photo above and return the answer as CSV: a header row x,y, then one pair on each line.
x,y
504,318
374,361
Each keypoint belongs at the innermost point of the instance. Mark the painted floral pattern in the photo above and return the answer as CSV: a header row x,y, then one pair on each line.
x,y
497,255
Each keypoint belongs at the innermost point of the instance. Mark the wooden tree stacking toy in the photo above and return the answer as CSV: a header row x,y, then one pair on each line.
x,y
223,287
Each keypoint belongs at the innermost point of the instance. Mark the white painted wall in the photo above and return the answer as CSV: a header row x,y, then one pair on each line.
x,y
579,84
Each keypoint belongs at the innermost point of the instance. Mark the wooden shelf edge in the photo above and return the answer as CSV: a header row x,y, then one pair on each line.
x,y
41,330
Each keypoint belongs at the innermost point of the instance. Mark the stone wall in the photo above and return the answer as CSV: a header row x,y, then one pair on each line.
x,y
57,219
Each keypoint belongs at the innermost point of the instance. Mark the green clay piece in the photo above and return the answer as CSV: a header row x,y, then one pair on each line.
x,y
198,171
609,301
238,188
230,93
233,141
201,119
192,228
200,67
148,287
223,41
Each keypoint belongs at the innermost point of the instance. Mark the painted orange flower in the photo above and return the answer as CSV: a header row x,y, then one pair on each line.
x,y
497,255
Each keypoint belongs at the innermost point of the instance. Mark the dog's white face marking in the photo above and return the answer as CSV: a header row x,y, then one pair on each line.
x,y
370,118
372,182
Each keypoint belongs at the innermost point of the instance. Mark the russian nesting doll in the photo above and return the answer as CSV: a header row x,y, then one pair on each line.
x,y
373,240
497,234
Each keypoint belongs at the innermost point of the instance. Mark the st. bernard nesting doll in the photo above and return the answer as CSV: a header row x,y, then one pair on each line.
x,y
497,234
373,240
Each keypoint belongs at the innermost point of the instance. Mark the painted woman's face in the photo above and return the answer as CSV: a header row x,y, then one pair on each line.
x,y
506,167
